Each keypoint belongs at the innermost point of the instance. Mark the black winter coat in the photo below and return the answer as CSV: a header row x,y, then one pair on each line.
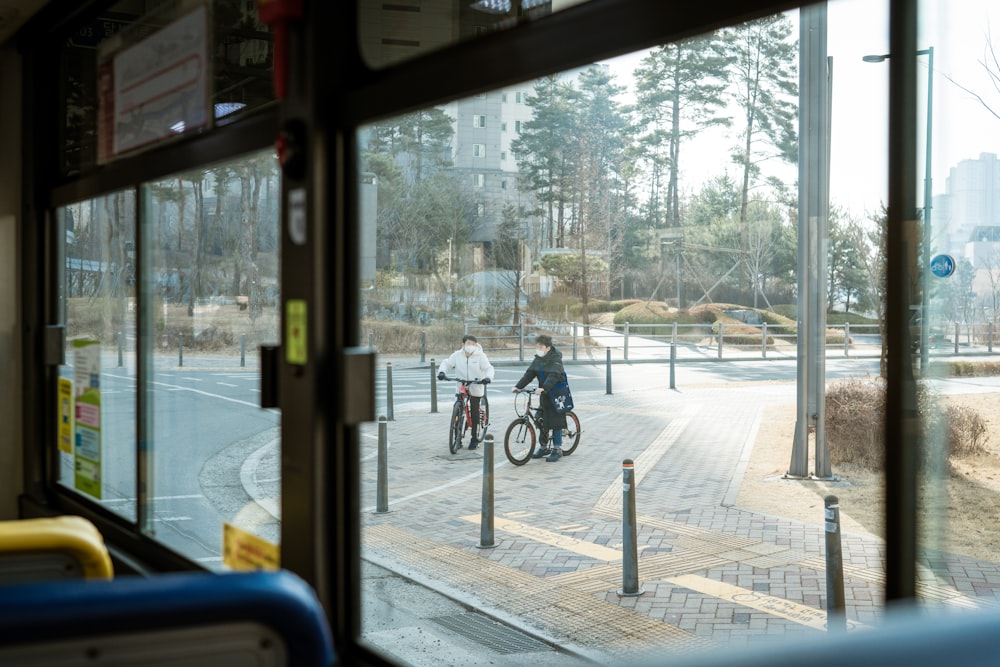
x,y
552,366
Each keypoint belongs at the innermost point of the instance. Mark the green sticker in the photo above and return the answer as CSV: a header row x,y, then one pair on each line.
x,y
295,332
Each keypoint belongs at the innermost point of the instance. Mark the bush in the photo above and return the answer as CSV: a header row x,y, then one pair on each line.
x,y
855,425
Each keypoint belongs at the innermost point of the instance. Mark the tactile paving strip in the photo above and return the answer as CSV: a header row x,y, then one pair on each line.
x,y
561,611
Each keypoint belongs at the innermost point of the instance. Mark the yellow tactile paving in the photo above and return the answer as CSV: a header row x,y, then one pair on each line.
x,y
815,618
581,547
575,616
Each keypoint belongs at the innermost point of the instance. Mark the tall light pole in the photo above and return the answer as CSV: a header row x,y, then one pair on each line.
x,y
925,255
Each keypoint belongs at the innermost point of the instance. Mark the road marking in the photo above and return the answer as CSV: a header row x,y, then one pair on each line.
x,y
793,611
440,487
226,384
173,387
588,549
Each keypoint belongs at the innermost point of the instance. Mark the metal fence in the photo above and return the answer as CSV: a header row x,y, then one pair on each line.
x,y
638,342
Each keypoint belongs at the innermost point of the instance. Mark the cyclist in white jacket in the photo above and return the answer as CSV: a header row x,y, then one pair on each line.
x,y
470,363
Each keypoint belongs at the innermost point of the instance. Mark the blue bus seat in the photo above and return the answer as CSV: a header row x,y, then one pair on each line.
x,y
62,547
198,618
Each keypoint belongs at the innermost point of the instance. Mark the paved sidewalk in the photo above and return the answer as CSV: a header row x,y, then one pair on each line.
x,y
712,574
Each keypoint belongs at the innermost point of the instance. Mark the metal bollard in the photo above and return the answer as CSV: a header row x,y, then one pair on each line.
x,y
388,390
608,382
243,350
382,492
673,361
720,340
486,540
836,616
121,350
847,339
763,340
626,342
989,338
423,345
434,389
371,340
574,342
956,337
520,341
180,349
630,556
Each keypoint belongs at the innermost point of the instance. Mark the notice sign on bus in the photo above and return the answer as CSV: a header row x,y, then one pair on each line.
x,y
87,423
154,86
244,551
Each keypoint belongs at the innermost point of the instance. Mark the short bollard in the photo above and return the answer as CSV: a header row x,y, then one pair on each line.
x,y
121,349
423,345
836,615
608,382
630,556
180,349
434,389
388,390
486,520
673,362
382,492
243,350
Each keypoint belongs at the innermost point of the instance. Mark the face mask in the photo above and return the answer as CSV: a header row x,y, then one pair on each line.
x,y
539,352
469,349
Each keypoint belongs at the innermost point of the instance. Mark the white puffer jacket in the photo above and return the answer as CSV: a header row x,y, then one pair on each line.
x,y
473,366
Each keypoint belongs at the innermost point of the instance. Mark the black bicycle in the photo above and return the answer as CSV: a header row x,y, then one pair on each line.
x,y
519,441
461,417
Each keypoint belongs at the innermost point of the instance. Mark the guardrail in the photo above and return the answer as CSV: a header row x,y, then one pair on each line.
x,y
635,342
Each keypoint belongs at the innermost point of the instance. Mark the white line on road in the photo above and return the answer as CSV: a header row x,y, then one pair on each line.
x,y
132,500
173,387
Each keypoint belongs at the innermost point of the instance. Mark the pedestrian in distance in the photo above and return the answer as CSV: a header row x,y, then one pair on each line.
x,y
547,368
470,363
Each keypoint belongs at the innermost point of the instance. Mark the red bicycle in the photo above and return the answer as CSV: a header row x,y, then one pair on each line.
x,y
461,418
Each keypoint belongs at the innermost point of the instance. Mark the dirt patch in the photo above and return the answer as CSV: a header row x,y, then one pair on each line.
x,y
960,508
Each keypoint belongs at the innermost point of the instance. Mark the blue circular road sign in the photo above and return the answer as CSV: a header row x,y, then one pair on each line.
x,y
942,266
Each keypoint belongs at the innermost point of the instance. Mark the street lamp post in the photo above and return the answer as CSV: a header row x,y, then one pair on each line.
x,y
925,255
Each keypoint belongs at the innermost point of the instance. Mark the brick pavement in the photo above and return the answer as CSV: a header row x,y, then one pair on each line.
x,y
713,574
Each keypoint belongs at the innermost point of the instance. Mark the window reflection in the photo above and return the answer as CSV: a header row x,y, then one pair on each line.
x,y
390,33
241,66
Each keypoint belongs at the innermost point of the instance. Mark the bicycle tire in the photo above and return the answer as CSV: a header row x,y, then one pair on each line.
x,y
455,427
519,441
571,434
484,416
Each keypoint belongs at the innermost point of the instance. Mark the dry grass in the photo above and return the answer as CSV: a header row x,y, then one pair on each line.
x,y
958,506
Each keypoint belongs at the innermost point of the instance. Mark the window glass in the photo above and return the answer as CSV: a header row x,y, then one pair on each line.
x,y
391,32
649,210
213,271
240,61
97,393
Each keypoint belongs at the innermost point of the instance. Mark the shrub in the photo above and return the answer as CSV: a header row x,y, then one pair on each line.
x,y
855,425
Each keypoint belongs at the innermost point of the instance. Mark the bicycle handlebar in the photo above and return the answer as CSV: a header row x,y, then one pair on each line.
x,y
527,390
465,382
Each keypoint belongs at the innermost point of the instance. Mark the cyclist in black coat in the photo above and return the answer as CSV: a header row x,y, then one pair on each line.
x,y
548,363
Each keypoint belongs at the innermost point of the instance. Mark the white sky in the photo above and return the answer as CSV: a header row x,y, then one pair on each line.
x,y
962,128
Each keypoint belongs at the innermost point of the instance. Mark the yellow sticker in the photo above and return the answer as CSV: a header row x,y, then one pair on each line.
x,y
65,413
245,552
296,320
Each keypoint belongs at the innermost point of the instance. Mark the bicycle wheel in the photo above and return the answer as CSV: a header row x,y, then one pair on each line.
x,y
519,441
484,416
571,434
455,427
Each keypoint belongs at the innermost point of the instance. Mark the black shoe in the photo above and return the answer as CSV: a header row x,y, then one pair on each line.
x,y
473,443
541,453
555,455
